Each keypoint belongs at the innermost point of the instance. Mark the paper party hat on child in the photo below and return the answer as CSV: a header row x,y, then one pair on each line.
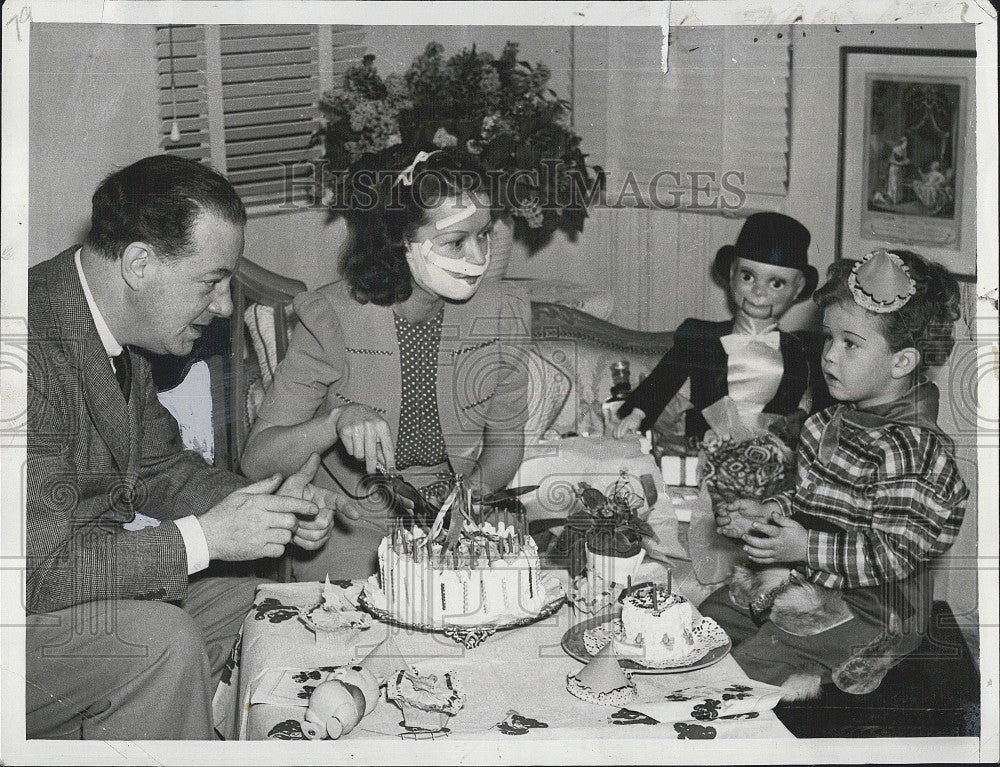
x,y
602,680
881,282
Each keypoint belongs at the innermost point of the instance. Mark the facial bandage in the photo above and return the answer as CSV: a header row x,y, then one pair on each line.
x,y
455,265
454,218
443,276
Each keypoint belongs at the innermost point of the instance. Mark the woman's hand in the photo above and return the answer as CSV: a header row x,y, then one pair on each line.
x,y
781,540
365,435
627,425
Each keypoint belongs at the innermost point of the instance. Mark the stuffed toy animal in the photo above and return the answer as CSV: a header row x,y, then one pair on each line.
x,y
801,607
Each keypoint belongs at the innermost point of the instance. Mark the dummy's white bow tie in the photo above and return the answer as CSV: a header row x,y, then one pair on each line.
x,y
736,341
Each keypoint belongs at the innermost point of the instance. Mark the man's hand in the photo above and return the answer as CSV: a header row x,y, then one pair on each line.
x,y
734,519
782,540
311,533
253,523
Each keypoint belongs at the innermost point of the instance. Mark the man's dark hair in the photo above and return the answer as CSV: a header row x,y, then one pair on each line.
x,y
157,200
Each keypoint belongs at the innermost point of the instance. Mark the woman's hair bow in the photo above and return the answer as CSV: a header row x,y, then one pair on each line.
x,y
406,175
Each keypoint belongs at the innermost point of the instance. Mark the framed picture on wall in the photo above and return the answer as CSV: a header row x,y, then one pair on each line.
x,y
907,174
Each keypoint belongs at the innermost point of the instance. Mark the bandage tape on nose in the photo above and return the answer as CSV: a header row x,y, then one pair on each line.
x,y
453,265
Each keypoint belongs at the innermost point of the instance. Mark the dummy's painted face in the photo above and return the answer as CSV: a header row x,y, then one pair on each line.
x,y
761,291
450,253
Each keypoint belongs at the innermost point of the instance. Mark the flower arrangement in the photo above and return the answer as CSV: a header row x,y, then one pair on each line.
x,y
612,521
499,110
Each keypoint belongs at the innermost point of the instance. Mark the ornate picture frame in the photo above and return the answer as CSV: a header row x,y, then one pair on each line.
x,y
907,152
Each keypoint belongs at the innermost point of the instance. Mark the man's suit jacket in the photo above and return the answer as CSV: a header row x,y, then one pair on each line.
x,y
93,461
698,354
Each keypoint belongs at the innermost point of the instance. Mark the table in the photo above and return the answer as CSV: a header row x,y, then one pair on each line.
x,y
522,672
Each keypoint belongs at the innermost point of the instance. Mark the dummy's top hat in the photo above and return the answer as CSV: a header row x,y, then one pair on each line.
x,y
770,238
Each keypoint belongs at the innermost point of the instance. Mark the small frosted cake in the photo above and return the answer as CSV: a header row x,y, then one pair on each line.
x,y
484,574
656,626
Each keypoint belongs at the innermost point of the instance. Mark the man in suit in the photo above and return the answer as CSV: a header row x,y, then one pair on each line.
x,y
127,634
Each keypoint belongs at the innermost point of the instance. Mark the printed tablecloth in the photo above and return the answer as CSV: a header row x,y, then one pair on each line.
x,y
515,682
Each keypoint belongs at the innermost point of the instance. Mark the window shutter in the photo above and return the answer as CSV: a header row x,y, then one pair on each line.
x,y
722,107
270,88
756,94
260,85
189,91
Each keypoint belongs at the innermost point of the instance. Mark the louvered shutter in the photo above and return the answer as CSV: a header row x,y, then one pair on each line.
x,y
757,107
185,95
261,86
723,107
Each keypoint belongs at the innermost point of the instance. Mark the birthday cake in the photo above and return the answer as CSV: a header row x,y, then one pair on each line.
x,y
487,575
474,565
657,626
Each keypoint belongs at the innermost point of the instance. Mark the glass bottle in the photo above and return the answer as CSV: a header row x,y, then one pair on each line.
x,y
621,387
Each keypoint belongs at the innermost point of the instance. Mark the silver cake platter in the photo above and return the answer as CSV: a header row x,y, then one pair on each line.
x,y
470,636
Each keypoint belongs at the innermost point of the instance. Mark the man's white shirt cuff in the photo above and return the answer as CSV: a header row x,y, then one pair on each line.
x,y
194,543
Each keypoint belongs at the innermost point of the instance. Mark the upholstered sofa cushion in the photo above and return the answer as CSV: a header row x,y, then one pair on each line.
x,y
588,366
548,389
584,348
259,321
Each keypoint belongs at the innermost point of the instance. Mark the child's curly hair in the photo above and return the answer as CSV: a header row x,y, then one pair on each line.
x,y
383,212
926,322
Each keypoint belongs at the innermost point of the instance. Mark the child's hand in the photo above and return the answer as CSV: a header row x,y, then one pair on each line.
x,y
735,526
781,540
734,519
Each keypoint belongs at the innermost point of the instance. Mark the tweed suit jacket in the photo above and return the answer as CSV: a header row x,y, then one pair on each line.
x,y
93,461
698,354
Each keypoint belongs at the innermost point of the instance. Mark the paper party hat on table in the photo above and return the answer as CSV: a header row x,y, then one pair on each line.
x,y
385,659
602,680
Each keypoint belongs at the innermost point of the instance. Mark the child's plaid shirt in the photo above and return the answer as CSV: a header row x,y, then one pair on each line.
x,y
894,489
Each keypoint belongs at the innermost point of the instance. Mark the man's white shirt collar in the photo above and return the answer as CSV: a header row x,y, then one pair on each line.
x,y
111,346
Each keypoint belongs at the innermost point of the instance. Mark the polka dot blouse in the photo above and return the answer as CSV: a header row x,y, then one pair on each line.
x,y
420,441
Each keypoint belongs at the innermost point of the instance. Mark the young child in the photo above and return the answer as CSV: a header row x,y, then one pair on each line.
x,y
762,369
877,495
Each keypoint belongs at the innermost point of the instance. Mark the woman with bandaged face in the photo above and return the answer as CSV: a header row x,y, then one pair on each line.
x,y
410,363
